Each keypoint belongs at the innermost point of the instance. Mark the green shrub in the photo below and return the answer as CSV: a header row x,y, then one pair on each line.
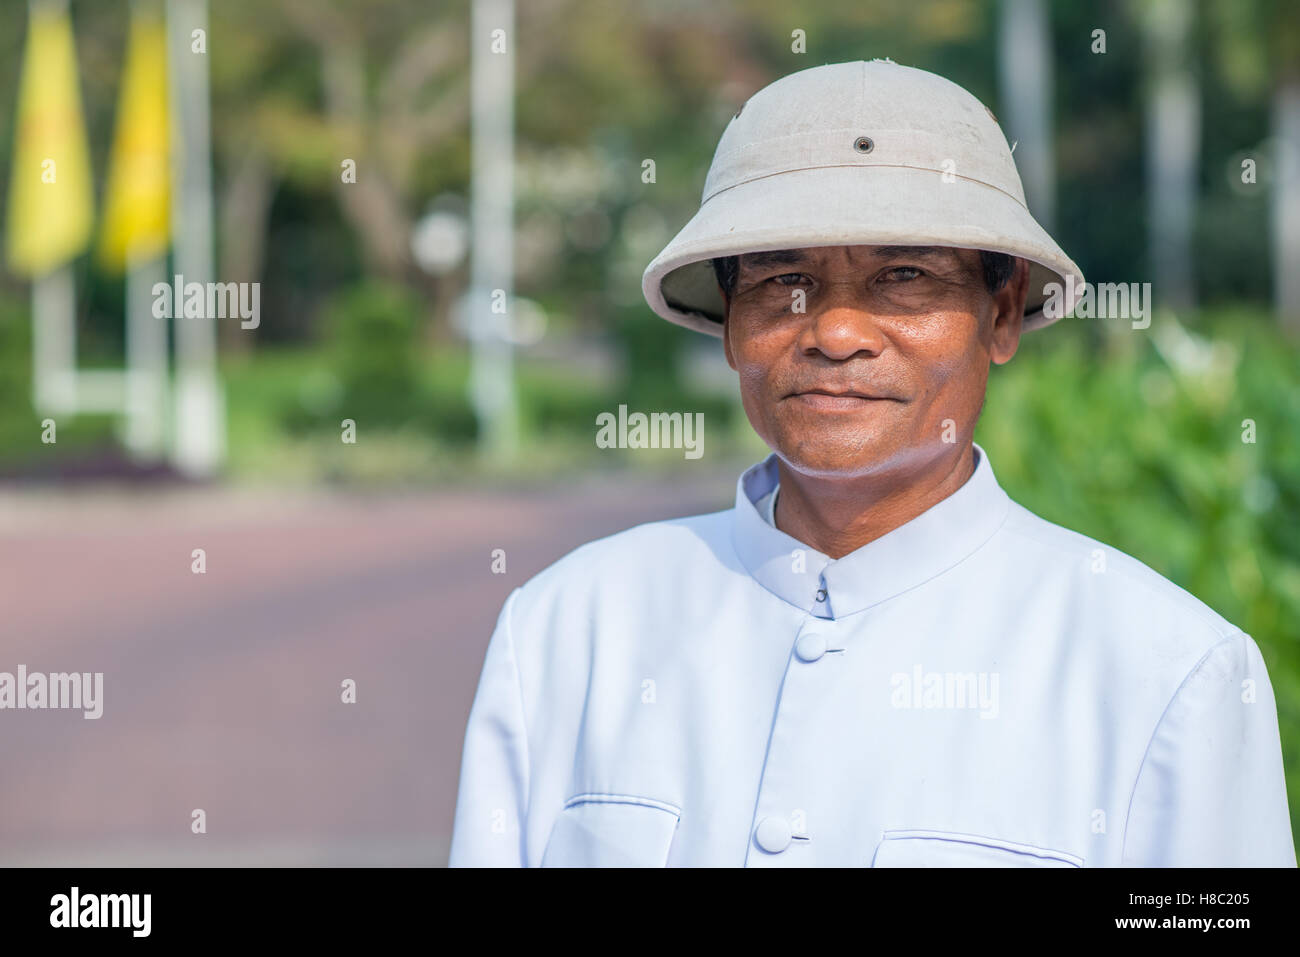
x,y
374,372
21,448
372,338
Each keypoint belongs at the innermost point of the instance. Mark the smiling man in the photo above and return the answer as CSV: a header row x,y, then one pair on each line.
x,y
876,658
865,389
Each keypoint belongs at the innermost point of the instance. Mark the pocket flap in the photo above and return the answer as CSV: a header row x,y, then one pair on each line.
x,y
611,830
928,848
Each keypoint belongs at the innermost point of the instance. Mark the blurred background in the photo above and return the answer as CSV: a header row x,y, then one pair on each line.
x,y
444,211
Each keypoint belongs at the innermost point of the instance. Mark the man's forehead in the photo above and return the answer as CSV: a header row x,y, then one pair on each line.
x,y
786,257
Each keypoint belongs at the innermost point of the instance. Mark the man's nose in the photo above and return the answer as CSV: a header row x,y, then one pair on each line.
x,y
842,323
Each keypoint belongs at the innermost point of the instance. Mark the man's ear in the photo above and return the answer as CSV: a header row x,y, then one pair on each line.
x,y
1009,314
726,329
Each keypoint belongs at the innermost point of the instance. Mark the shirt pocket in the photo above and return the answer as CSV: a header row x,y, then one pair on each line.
x,y
612,830
927,848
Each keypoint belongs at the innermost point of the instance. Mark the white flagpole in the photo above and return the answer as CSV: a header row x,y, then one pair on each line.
x,y
54,341
492,81
54,307
146,363
198,437
1173,131
1025,87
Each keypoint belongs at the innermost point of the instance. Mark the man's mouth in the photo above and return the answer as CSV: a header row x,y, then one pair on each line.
x,y
828,399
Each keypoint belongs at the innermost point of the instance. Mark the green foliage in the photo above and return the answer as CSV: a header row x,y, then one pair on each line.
x,y
18,424
373,371
651,381
651,350
371,331
21,447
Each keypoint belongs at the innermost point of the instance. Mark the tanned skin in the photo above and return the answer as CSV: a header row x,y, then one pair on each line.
x,y
857,393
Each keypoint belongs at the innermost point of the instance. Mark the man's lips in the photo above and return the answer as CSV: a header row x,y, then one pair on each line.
x,y
833,399
845,393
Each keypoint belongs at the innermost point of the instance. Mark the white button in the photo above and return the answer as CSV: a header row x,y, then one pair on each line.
x,y
773,834
811,646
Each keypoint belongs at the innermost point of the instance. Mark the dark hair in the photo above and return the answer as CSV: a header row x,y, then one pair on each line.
x,y
998,268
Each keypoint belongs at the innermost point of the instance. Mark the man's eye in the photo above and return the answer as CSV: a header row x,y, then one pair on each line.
x,y
901,273
788,278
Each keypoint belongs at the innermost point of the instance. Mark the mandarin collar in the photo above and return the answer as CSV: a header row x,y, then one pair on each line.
x,y
916,551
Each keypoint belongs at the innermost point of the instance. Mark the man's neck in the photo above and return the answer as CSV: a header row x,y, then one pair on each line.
x,y
839,516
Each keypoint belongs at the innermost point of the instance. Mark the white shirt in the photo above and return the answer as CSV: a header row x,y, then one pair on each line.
x,y
976,687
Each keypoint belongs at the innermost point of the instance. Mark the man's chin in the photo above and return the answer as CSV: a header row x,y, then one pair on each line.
x,y
831,459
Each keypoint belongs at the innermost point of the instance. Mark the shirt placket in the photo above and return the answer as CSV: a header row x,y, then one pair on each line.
x,y
782,834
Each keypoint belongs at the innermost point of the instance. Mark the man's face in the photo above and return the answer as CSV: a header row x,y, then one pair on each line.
x,y
890,354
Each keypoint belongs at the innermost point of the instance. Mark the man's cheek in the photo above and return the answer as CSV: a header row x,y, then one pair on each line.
x,y
754,381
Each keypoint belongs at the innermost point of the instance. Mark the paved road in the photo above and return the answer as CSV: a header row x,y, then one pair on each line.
x,y
222,690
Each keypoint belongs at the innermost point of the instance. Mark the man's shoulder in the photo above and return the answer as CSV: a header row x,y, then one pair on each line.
x,y
636,555
1112,577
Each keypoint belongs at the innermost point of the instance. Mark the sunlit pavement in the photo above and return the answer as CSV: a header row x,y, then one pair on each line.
x,y
222,690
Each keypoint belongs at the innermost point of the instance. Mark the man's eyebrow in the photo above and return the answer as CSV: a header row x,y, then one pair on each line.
x,y
795,257
920,252
773,257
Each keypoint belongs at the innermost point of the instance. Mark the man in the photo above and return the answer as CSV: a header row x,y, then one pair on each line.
x,y
876,658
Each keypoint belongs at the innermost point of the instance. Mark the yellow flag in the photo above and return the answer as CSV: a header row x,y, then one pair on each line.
x,y
50,202
137,210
